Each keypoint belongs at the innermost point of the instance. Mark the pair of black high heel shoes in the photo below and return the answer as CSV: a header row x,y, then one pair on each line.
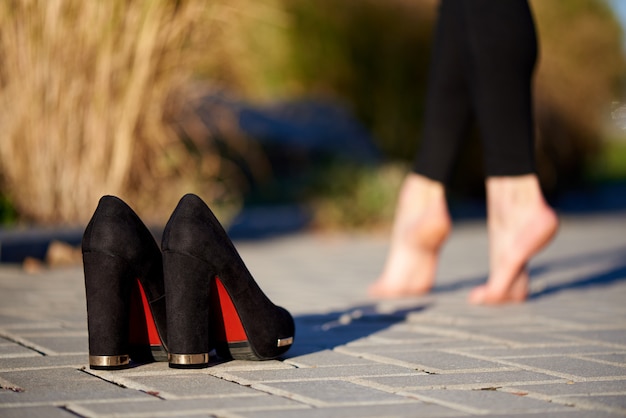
x,y
177,303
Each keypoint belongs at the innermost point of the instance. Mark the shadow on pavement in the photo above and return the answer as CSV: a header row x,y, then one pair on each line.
x,y
325,331
603,278
617,272
615,258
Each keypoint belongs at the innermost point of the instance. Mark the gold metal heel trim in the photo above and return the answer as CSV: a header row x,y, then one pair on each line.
x,y
109,361
284,341
183,359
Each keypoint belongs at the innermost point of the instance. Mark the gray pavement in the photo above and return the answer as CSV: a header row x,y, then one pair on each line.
x,y
562,354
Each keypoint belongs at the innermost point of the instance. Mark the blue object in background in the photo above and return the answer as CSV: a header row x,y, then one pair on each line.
x,y
313,128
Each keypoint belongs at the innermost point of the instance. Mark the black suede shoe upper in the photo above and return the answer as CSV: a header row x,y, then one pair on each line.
x,y
194,230
115,229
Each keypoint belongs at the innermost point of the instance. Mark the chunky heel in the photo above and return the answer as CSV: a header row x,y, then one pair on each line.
x,y
229,335
143,336
187,285
124,288
107,284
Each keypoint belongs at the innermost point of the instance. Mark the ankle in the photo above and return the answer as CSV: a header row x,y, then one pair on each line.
x,y
422,212
420,189
509,195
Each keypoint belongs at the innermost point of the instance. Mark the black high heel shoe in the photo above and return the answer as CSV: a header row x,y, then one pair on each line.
x,y
124,288
212,299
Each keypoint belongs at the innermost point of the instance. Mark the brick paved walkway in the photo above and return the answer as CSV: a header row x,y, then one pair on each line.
x,y
562,354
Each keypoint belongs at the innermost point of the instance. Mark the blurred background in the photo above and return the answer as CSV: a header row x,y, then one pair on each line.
x,y
256,104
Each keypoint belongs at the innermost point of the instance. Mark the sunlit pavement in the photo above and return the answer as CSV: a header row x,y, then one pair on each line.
x,y
562,354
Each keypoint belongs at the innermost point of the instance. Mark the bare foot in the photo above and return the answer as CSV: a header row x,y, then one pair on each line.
x,y
520,224
517,292
420,227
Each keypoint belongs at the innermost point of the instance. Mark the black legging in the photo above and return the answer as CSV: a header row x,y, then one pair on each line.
x,y
482,63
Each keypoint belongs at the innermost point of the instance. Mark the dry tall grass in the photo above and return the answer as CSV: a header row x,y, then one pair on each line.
x,y
85,90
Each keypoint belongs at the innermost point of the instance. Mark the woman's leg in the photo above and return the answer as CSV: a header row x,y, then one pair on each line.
x,y
421,222
420,227
520,223
503,48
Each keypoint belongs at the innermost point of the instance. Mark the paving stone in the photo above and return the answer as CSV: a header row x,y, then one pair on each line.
x,y
36,412
188,385
61,344
436,361
63,384
325,358
30,344
486,401
14,318
48,327
372,346
406,336
475,317
569,388
578,319
319,373
330,392
570,366
473,380
243,365
566,413
613,336
541,351
43,362
11,349
302,348
519,338
151,408
23,332
616,358
407,409
616,403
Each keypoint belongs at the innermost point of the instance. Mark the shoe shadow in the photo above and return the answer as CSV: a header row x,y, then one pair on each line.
x,y
325,331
